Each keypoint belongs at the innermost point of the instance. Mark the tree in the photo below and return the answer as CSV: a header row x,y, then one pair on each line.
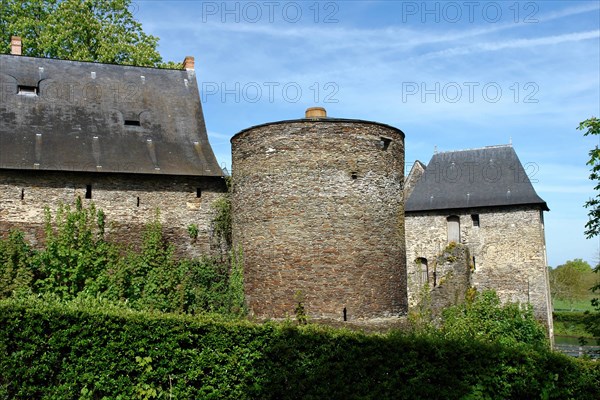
x,y
592,127
84,30
571,281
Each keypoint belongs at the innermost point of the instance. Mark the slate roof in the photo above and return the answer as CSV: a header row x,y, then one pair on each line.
x,y
78,116
489,176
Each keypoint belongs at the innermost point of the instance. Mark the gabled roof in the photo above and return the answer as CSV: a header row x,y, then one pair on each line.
x,y
490,176
79,116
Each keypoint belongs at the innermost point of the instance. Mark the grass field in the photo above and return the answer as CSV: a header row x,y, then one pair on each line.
x,y
569,328
582,305
567,317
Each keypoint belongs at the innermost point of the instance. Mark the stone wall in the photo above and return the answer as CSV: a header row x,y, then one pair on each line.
x,y
129,201
507,247
416,172
453,270
318,212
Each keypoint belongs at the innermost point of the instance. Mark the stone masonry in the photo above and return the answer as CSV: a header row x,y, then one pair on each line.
x,y
129,202
318,212
507,249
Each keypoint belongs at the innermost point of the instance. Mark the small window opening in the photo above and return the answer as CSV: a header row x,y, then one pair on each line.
x,y
198,192
475,219
354,175
30,90
138,202
474,263
22,194
88,191
345,314
132,122
423,270
385,143
453,229
434,279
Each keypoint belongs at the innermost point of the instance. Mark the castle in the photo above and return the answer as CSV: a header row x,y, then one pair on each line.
x,y
321,208
130,139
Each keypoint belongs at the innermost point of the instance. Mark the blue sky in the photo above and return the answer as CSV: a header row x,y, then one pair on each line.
x,y
450,75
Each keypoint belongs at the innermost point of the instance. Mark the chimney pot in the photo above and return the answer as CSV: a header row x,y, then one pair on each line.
x,y
315,112
15,45
188,63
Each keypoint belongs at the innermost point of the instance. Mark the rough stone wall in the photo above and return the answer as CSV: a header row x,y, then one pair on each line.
x,y
318,210
453,278
508,250
415,174
25,194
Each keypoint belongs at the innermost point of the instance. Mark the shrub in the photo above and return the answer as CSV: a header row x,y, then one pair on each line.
x,y
89,348
16,272
484,318
77,261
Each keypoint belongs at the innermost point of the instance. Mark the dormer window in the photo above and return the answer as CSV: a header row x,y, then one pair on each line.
x,y
132,122
27,90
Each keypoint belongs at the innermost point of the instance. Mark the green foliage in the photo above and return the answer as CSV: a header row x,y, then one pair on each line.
x,y
592,127
75,253
193,231
299,310
486,319
86,30
221,221
568,323
237,299
153,279
572,281
16,272
420,317
77,262
90,349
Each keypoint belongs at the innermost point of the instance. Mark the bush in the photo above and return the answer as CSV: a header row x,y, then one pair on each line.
x,y
484,318
78,262
94,349
16,272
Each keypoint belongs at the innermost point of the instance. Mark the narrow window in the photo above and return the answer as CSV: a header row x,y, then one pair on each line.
x,y
453,229
88,191
27,90
385,143
423,270
345,314
354,175
434,279
474,265
475,219
22,194
132,122
138,201
198,192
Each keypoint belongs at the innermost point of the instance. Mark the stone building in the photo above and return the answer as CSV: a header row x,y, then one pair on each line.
x,y
130,139
318,211
318,203
483,199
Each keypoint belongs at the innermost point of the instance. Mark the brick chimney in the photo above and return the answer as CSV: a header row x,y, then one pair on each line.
x,y
315,113
15,45
188,63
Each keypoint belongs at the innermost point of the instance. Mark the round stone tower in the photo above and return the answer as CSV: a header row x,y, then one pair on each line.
x,y
319,215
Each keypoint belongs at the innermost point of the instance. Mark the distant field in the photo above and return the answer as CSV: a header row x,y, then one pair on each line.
x,y
570,323
583,305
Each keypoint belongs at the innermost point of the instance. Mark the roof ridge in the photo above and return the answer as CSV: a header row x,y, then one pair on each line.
x,y
476,148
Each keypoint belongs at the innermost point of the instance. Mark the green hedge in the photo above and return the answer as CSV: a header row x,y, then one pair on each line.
x,y
572,323
94,351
